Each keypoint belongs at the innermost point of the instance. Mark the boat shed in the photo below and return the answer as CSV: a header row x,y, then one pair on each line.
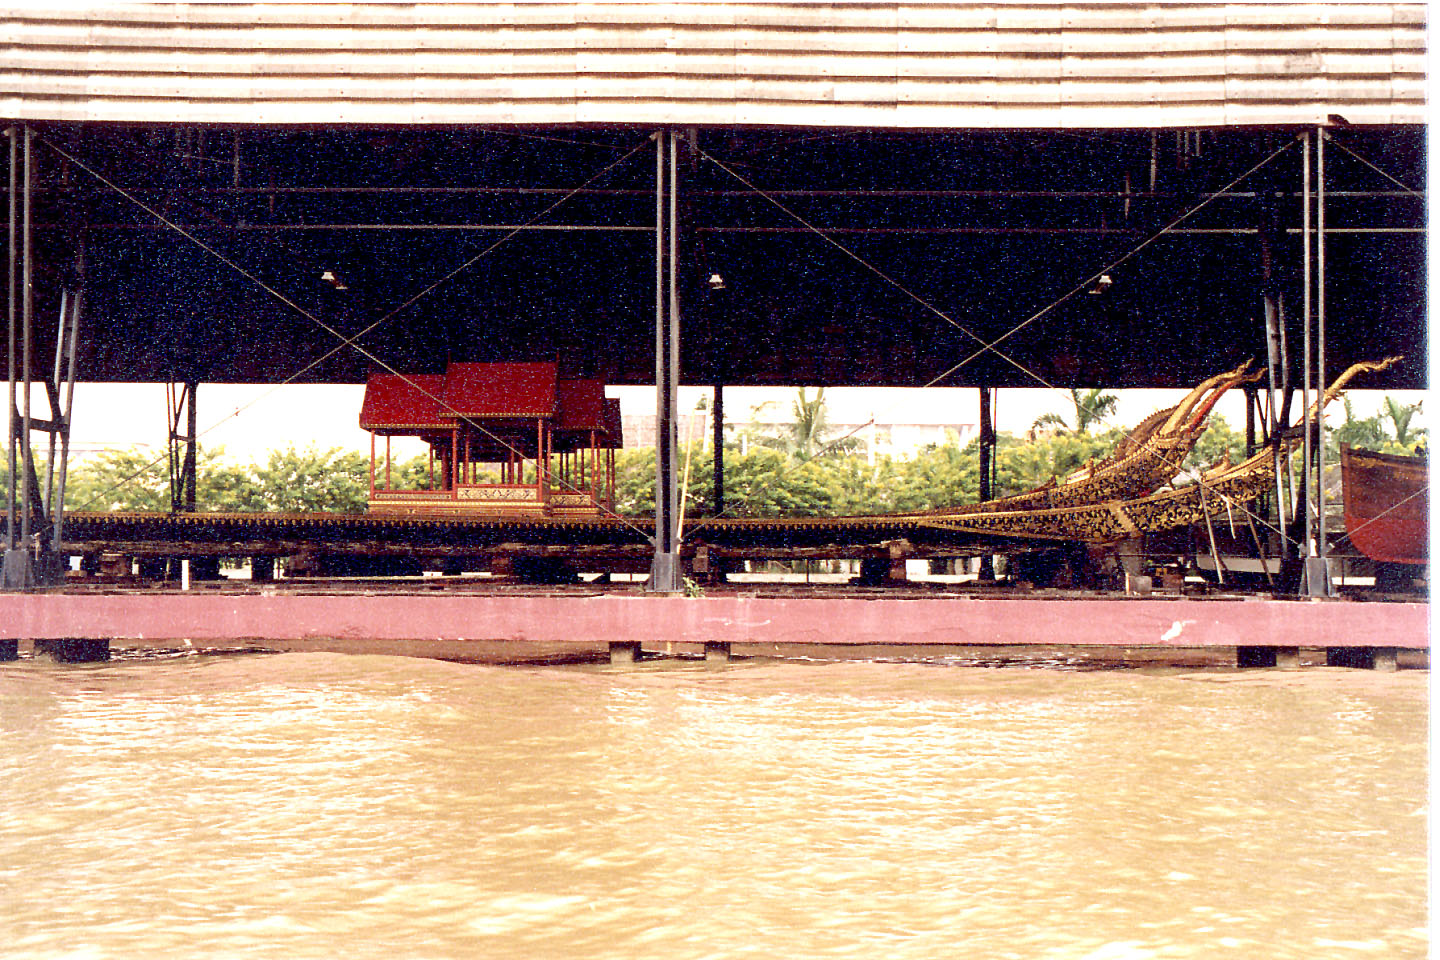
x,y
882,193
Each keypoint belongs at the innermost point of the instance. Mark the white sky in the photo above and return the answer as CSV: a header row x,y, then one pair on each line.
x,y
247,420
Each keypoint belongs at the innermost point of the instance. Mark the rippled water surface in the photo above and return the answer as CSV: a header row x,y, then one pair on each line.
x,y
310,805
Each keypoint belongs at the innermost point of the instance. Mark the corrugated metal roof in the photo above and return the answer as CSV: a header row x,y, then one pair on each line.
x,y
962,65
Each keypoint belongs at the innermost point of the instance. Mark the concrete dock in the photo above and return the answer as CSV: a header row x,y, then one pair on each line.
x,y
559,624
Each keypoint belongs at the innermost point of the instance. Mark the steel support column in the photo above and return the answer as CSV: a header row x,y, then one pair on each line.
x,y
180,402
717,418
1307,548
665,573
67,338
987,469
12,534
20,553
1277,365
35,518
1315,576
18,572
1322,544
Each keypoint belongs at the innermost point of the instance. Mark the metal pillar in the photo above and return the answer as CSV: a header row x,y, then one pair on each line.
x,y
17,571
1315,576
1308,547
717,416
180,402
665,573
35,520
987,468
1277,363
1277,367
1323,544
67,337
12,535
1252,400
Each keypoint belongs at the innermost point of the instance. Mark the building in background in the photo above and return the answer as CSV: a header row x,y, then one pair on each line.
x,y
899,439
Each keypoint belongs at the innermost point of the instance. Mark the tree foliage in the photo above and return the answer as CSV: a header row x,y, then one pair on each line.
x,y
1392,430
788,479
809,433
311,479
1091,408
1218,441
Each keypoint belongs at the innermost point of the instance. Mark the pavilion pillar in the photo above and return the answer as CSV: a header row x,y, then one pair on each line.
x,y
665,573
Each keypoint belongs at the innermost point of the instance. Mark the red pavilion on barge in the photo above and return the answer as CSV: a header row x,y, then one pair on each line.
x,y
505,439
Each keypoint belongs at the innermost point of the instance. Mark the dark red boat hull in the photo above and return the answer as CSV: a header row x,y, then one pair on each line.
x,y
1387,505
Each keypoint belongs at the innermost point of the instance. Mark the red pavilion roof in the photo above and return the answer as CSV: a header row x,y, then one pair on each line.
x,y
500,391
582,405
409,402
613,437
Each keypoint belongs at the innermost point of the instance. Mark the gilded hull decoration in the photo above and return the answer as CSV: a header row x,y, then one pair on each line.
x,y
1148,457
1221,491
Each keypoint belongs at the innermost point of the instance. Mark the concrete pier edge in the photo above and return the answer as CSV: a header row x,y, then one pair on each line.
x,y
552,626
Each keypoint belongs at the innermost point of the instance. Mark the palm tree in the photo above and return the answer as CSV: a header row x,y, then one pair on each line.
x,y
1091,407
1399,415
811,424
806,437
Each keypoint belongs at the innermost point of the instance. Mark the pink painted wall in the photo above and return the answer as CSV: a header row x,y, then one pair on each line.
x,y
588,620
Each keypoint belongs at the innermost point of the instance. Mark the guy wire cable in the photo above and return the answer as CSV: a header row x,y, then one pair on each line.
x,y
1180,468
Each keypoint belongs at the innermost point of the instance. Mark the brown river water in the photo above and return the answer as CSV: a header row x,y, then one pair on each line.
x,y
316,805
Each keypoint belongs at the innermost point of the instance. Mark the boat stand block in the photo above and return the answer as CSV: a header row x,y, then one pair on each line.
x,y
9,650
73,649
1358,658
624,651
1255,656
718,651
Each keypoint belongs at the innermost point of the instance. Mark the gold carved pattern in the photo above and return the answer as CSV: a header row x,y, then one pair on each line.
x,y
499,494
